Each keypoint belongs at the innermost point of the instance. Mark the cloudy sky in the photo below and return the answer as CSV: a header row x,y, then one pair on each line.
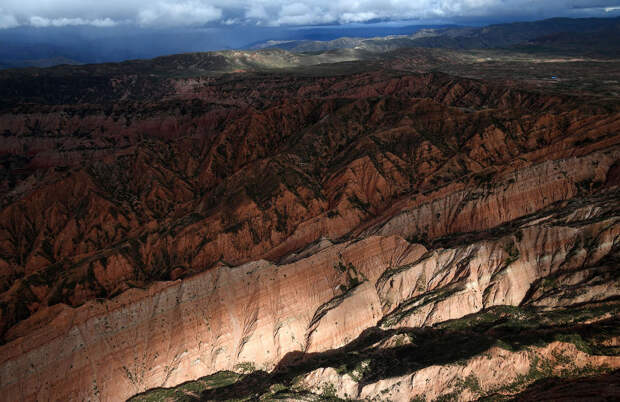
x,y
188,13
94,31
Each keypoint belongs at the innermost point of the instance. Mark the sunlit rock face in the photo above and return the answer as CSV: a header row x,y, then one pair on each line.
x,y
220,222
258,312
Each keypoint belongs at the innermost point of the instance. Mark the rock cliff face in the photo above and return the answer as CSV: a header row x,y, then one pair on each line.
x,y
246,223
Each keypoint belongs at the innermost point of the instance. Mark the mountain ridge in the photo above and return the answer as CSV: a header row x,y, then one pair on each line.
x,y
491,36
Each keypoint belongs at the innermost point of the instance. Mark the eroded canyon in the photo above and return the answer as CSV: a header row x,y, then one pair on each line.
x,y
364,231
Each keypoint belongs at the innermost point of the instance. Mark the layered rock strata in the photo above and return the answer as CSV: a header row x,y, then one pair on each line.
x,y
238,221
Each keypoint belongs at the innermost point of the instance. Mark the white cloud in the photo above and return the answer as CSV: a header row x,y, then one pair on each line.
x,y
256,11
166,13
302,14
105,22
169,13
42,22
7,20
358,17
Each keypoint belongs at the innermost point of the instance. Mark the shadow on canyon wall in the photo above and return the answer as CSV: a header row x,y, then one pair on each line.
x,y
369,360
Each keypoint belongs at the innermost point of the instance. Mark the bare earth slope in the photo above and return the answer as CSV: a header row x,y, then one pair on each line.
x,y
160,230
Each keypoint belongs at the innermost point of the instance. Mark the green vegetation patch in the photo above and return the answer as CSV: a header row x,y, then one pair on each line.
x,y
189,391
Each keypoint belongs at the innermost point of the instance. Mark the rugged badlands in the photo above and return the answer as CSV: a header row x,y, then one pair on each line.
x,y
261,223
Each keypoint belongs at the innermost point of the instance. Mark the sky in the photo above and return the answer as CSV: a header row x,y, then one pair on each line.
x,y
114,30
191,13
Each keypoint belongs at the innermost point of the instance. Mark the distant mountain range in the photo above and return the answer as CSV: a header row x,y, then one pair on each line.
x,y
587,36
29,47
597,35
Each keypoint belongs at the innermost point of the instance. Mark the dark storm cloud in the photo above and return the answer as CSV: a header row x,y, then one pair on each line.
x,y
168,13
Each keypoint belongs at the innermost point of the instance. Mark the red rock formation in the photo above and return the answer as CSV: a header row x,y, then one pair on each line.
x,y
148,243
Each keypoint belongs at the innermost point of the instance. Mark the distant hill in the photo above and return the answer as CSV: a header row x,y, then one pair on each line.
x,y
601,43
41,63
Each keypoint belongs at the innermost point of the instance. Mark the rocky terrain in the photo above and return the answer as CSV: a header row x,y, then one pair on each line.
x,y
369,229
